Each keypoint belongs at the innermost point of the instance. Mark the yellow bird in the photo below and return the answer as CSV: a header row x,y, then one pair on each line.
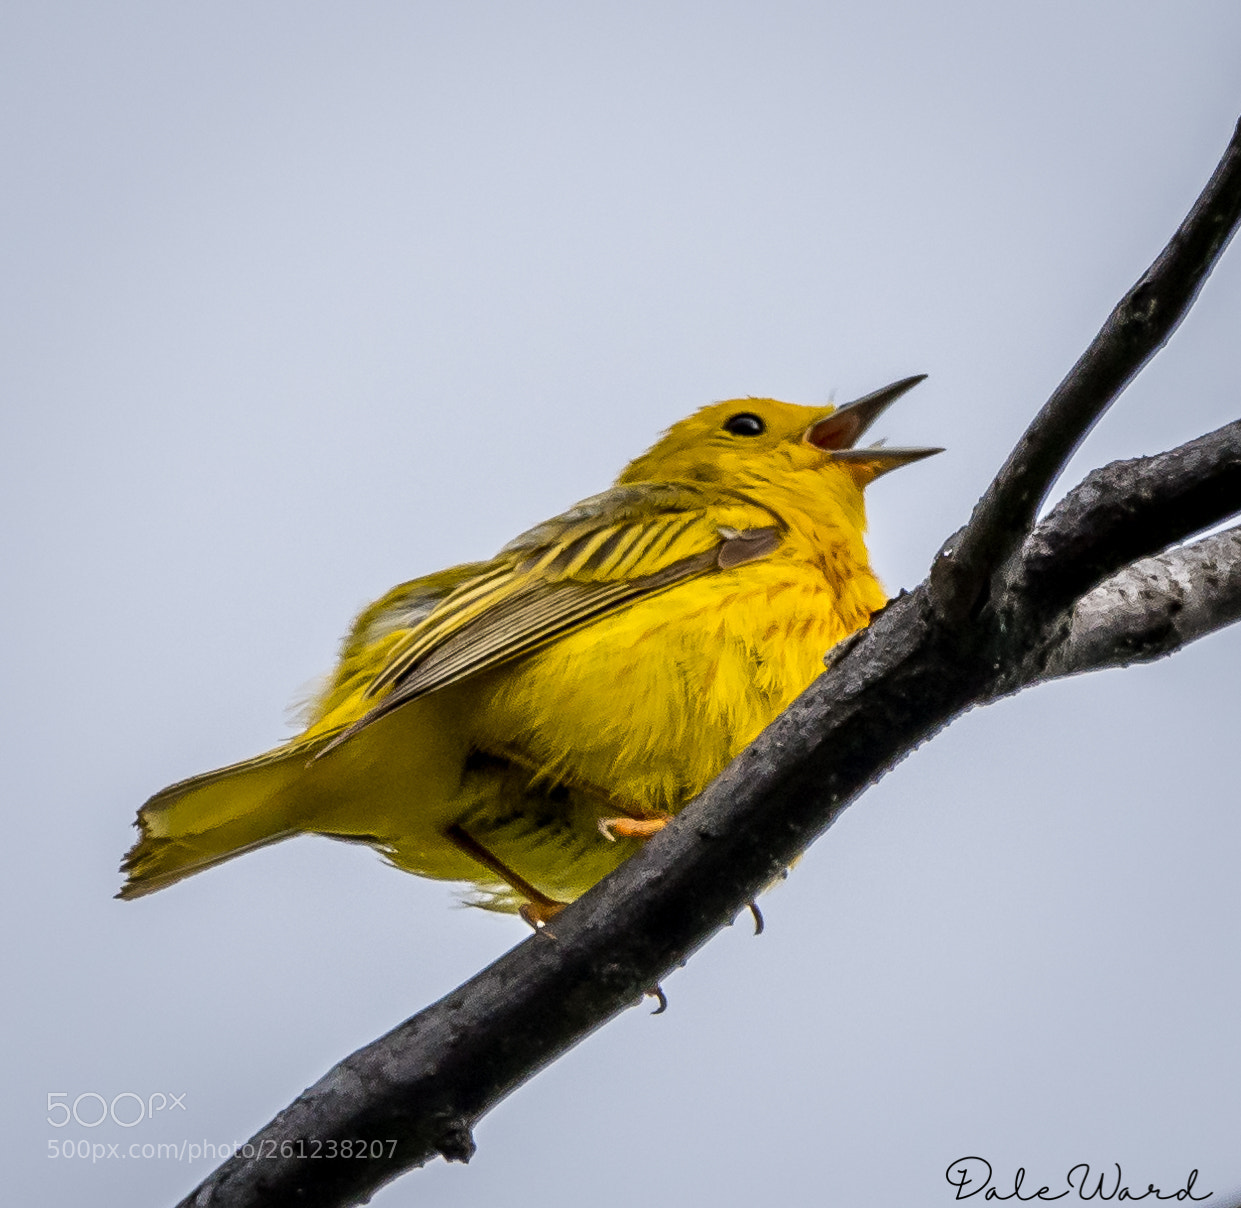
x,y
523,723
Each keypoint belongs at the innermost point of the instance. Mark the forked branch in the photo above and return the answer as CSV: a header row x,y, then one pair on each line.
x,y
928,656
1138,327
1128,510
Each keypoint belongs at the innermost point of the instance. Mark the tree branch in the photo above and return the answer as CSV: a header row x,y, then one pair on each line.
x,y
1154,607
914,669
1138,327
1127,510
429,1080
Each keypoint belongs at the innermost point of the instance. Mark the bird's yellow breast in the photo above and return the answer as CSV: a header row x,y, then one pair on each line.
x,y
648,705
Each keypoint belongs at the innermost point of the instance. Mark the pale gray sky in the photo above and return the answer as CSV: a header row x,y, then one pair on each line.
x,y
301,300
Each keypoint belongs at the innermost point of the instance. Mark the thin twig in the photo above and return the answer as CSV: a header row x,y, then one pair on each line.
x,y
1154,607
1138,327
1128,510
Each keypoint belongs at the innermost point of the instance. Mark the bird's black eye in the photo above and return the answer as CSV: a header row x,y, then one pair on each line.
x,y
745,424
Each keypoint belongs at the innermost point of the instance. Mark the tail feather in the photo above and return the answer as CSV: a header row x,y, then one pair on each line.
x,y
208,819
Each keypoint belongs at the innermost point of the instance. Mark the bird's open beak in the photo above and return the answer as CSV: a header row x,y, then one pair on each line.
x,y
839,432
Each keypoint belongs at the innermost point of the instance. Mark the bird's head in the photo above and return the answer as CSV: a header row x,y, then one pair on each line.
x,y
753,441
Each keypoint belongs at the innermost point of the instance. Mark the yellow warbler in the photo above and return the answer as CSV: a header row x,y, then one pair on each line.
x,y
521,723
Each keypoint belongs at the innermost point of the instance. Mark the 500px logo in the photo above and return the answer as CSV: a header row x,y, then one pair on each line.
x,y
128,1109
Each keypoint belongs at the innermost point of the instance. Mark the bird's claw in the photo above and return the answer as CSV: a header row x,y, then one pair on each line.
x,y
632,828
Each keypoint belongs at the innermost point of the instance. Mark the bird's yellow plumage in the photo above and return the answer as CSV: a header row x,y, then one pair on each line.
x,y
519,723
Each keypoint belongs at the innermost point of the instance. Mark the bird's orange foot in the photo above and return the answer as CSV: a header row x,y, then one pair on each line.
x,y
632,828
539,913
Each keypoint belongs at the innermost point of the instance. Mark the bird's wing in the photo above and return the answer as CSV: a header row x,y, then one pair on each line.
x,y
601,555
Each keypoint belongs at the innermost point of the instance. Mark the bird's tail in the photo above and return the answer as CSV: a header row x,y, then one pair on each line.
x,y
208,819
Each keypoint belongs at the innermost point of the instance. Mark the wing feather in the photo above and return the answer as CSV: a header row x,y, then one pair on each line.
x,y
603,554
